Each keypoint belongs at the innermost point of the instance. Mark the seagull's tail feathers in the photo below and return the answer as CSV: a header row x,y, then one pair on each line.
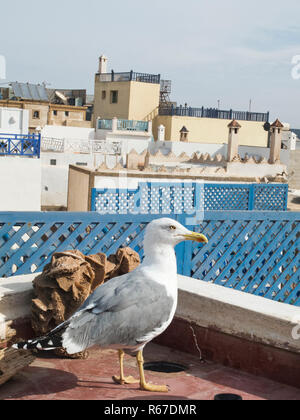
x,y
51,341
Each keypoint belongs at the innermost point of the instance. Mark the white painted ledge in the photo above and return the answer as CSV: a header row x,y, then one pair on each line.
x,y
15,297
237,313
209,306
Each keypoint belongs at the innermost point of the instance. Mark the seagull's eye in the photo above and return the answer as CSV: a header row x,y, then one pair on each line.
x,y
172,227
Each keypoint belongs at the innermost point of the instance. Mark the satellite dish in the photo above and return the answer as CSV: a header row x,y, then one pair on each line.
x,y
267,126
61,96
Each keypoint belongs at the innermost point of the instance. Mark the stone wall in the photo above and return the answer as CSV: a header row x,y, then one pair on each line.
x,y
204,164
294,170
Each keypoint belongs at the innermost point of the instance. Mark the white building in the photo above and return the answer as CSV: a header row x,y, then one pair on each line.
x,y
14,121
20,175
86,147
20,183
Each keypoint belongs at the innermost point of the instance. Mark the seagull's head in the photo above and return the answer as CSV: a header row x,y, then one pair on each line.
x,y
170,232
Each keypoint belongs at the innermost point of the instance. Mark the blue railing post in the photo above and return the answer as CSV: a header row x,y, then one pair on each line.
x,y
183,262
39,145
252,197
286,199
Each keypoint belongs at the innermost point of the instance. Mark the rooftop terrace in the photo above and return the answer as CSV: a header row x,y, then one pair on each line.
x,y
184,111
51,378
130,76
248,338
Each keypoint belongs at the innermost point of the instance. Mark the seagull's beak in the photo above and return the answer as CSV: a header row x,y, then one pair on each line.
x,y
198,237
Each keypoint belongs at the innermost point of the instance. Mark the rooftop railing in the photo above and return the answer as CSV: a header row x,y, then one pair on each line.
x,y
124,125
181,111
131,125
130,76
104,124
251,251
20,145
188,197
50,144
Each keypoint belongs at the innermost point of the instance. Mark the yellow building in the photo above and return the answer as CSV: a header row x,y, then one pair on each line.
x,y
210,130
128,96
140,96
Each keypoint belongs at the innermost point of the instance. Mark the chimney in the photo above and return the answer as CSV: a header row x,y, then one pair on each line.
x,y
103,64
276,139
233,141
161,132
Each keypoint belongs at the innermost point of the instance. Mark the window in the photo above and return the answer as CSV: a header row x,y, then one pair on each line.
x,y
53,162
81,164
36,114
55,113
103,94
114,96
67,113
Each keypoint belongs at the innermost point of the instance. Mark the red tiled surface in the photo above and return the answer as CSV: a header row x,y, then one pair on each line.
x,y
51,378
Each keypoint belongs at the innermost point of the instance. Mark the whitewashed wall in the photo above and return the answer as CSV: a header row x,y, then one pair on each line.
x,y
14,121
55,178
20,184
60,132
264,152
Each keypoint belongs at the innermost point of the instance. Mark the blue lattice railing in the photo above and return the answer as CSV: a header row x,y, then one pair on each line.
x,y
20,145
255,252
178,198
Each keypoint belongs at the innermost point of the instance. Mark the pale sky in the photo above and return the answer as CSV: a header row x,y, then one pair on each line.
x,y
231,51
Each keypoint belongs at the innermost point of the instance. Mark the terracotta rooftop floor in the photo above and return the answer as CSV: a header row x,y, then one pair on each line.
x,y
51,378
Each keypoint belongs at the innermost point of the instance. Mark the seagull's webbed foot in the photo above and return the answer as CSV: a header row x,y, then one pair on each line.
x,y
126,380
144,385
154,388
122,379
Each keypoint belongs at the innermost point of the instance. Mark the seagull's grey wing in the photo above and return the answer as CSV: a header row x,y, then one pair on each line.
x,y
113,295
122,312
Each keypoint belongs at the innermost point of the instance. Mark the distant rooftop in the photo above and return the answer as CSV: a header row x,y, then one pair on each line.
x,y
28,91
130,76
39,92
74,97
185,111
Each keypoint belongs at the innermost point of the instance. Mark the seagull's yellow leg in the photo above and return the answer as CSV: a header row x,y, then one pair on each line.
x,y
143,383
122,379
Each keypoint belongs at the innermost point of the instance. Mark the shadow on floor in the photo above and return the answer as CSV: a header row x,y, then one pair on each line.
x,y
38,381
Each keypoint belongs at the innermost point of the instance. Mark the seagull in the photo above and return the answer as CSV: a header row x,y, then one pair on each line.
x,y
129,311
